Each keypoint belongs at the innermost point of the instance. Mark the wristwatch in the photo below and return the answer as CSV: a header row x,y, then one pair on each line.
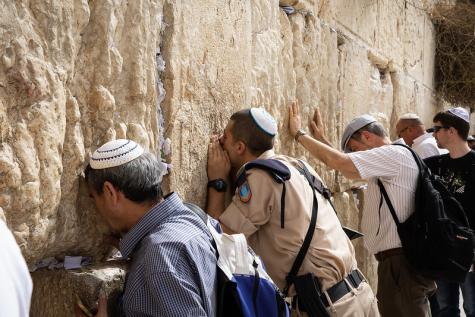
x,y
219,184
299,133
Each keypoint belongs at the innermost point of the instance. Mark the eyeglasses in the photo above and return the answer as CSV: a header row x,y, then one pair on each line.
x,y
399,133
438,127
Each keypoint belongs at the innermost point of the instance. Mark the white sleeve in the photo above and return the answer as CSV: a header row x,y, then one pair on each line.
x,y
384,161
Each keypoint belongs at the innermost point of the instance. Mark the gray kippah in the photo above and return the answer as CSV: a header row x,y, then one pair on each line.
x,y
355,124
115,153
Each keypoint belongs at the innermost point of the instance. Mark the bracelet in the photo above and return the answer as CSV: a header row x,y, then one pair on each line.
x,y
299,133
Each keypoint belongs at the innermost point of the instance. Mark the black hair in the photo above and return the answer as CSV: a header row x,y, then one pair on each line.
x,y
449,120
247,131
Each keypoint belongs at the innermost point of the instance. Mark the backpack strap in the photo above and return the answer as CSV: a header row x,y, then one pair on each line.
x,y
325,192
388,202
420,165
279,172
308,237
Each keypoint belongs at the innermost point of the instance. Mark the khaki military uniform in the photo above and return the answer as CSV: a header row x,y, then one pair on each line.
x,y
331,256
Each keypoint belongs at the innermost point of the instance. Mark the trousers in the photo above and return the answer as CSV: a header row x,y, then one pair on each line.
x,y
401,290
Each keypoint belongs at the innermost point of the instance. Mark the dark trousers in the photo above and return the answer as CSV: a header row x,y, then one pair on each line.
x,y
401,290
445,302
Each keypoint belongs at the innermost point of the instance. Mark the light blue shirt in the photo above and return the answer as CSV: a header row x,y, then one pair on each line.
x,y
173,268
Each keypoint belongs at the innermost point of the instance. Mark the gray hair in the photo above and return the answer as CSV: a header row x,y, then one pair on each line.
x,y
374,127
139,180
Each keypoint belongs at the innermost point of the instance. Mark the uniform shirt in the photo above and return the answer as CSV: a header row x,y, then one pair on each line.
x,y
426,146
173,269
15,280
331,254
396,168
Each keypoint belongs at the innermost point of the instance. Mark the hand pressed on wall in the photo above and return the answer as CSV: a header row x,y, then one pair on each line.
x,y
295,122
317,127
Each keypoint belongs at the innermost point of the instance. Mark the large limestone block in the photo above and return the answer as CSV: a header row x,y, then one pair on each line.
x,y
73,74
414,42
358,17
242,59
55,292
349,206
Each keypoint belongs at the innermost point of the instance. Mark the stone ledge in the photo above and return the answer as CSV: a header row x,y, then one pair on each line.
x,y
54,292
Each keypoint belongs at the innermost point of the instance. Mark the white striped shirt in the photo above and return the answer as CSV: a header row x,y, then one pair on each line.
x,y
396,168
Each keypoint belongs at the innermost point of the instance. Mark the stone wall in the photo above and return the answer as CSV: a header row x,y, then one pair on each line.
x,y
76,73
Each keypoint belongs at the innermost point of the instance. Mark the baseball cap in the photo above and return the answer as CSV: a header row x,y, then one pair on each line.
x,y
355,124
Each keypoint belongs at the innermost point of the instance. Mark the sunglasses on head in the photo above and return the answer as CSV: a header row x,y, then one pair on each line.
x,y
436,128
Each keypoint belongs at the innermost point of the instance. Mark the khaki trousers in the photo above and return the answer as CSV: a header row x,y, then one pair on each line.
x,y
359,303
401,290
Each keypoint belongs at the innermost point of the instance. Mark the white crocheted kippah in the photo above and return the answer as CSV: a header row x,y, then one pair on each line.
x,y
264,120
115,153
409,116
461,113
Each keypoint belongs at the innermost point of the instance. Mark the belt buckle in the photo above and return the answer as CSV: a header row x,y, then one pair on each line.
x,y
352,280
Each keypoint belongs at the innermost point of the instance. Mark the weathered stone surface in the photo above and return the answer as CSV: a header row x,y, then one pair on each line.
x,y
71,73
55,292
76,73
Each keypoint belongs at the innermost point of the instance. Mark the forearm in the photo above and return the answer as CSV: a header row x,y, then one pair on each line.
x,y
329,156
322,139
215,205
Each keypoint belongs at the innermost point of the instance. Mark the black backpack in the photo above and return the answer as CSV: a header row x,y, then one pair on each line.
x,y
436,238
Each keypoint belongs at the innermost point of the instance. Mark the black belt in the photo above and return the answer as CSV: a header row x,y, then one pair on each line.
x,y
338,290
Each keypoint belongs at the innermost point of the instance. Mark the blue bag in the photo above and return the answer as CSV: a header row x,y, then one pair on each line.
x,y
244,288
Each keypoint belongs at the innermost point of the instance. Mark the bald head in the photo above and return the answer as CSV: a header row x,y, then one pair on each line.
x,y
409,127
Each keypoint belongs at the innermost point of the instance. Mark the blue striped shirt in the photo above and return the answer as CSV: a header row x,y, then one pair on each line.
x,y
173,268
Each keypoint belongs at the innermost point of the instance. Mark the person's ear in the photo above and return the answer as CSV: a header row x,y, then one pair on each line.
x,y
110,192
241,147
366,136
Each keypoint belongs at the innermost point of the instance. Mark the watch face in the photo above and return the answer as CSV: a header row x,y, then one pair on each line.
x,y
220,185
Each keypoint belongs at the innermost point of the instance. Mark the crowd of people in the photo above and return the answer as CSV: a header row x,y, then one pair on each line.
x,y
172,258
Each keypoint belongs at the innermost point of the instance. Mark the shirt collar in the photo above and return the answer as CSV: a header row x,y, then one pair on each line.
x,y
156,215
266,155
421,138
399,141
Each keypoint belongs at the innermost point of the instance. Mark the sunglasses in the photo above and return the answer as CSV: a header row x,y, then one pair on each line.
x,y
436,128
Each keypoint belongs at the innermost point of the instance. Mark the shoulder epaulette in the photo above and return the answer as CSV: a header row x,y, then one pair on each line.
x,y
277,170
